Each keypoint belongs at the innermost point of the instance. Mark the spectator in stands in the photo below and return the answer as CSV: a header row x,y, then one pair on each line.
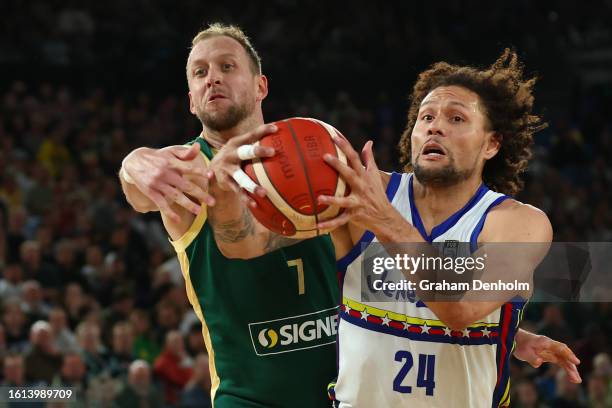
x,y
93,352
43,361
10,284
66,263
15,324
167,318
600,394
146,346
14,371
121,354
72,375
568,394
33,303
139,390
171,366
197,391
527,395
14,376
95,271
195,342
33,265
120,309
63,338
554,325
76,304
15,235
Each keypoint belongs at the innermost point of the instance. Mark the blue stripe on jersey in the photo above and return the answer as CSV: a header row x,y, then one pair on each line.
x,y
450,221
504,354
433,338
478,229
368,236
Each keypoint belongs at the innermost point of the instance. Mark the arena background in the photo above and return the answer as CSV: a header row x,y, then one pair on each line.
x,y
84,82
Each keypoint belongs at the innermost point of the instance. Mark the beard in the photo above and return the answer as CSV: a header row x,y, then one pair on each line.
x,y
441,177
220,121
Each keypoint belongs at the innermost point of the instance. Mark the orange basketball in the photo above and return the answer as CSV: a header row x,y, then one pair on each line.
x,y
296,176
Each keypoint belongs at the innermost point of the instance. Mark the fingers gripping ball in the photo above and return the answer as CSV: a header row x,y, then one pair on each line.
x,y
296,176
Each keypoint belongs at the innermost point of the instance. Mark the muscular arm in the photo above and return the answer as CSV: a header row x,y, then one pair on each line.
x,y
367,207
237,233
500,227
155,179
136,198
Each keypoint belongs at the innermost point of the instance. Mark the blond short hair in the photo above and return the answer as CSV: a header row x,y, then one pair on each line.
x,y
234,32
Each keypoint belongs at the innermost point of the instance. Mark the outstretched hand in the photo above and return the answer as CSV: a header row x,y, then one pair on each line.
x,y
225,168
542,349
175,174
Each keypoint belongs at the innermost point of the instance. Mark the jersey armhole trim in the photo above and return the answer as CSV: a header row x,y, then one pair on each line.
x,y
181,244
478,229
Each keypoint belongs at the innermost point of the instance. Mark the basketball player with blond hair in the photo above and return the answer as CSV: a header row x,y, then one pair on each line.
x,y
246,283
258,315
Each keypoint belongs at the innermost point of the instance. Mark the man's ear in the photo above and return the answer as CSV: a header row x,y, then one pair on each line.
x,y
262,88
191,104
492,145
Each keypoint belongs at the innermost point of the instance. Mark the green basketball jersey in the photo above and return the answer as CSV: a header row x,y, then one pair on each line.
x,y
269,323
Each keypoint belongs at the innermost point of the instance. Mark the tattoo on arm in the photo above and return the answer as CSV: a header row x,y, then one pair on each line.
x,y
276,241
234,230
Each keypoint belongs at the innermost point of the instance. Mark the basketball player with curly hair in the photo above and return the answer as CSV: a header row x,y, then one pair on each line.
x,y
465,146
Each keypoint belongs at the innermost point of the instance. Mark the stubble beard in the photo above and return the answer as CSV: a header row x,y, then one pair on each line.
x,y
441,177
228,119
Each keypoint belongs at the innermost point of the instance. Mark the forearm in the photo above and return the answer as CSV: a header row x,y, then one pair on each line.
x,y
238,234
135,197
456,309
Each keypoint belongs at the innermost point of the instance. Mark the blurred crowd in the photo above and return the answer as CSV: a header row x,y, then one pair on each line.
x,y
91,293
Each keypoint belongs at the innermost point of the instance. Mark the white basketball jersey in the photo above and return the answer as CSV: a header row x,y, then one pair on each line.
x,y
398,353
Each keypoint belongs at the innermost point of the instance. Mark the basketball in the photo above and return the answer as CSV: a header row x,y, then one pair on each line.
x,y
296,176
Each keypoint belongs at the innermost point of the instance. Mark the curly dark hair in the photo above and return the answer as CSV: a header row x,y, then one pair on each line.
x,y
507,98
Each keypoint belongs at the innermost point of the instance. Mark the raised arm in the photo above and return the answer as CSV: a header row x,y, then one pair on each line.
x,y
154,179
367,207
237,233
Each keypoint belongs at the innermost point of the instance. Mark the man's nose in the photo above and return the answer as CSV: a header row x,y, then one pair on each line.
x,y
214,78
435,128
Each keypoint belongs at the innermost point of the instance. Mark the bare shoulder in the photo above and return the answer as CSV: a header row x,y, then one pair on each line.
x,y
385,177
513,221
176,229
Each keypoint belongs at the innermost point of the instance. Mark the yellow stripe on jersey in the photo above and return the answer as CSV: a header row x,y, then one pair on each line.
x,y
360,307
505,400
180,246
195,303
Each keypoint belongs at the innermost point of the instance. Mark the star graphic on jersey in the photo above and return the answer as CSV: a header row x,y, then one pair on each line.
x,y
347,308
385,321
406,325
425,329
486,332
447,331
364,315
466,332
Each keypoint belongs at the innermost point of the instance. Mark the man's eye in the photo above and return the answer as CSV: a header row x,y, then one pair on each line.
x,y
228,66
199,72
427,117
457,119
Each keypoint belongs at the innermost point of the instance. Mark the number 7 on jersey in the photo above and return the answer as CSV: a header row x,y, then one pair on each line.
x,y
300,271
